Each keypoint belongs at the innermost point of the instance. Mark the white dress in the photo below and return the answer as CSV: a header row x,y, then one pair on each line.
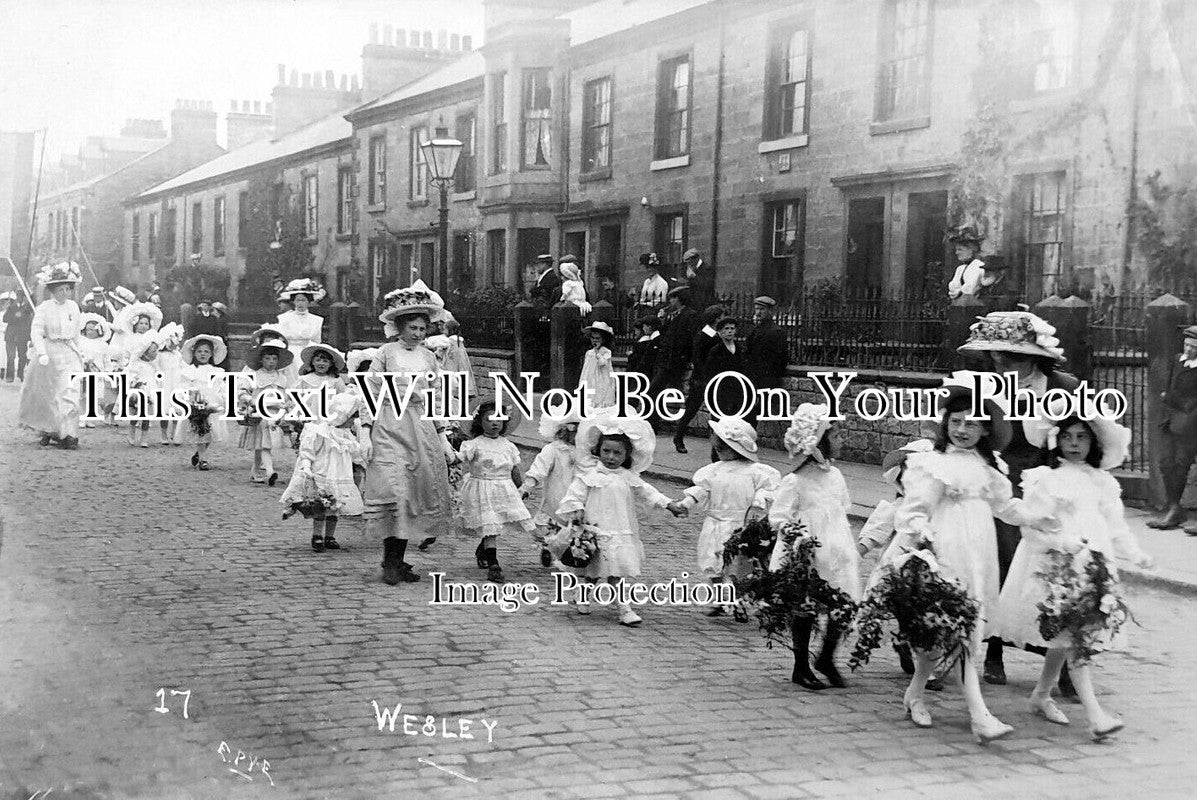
x,y
819,498
95,359
952,498
727,489
608,497
301,330
205,381
599,377
552,470
266,435
1088,504
50,400
490,502
329,452
170,364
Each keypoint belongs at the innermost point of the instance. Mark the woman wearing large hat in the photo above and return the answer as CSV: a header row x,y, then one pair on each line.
x,y
299,326
50,400
1022,343
406,488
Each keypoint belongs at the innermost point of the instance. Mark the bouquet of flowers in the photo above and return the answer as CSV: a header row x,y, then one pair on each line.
x,y
934,612
754,541
314,502
246,415
1082,603
293,429
198,418
794,590
582,548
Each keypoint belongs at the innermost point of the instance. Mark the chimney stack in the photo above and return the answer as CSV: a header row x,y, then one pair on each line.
x,y
193,121
308,97
245,126
402,55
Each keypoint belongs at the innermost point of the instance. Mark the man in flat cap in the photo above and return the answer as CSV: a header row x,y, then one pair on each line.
x,y
547,290
700,277
766,351
1178,443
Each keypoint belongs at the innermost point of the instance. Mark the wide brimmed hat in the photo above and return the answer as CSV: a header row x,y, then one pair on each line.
x,y
514,417
127,319
995,263
123,296
682,291
1189,332
88,316
601,327
64,272
438,342
966,234
736,434
766,301
1013,332
644,440
649,319
306,286
415,299
441,317
221,307
341,407
570,271
358,357
170,335
311,350
219,349
961,384
253,358
1114,438
891,465
266,332
691,253
548,425
807,427
146,343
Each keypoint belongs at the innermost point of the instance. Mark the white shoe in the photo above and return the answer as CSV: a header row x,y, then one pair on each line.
x,y
1105,726
628,617
1046,707
916,709
990,728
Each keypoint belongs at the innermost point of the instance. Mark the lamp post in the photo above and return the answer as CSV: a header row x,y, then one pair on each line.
x,y
440,158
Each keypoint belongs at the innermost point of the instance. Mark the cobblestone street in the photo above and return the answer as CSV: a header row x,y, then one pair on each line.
x,y
123,572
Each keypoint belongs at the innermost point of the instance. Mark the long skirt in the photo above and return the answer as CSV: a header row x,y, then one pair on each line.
x,y
50,400
407,478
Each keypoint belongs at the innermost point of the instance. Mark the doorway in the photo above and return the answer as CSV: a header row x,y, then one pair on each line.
x,y
866,244
928,268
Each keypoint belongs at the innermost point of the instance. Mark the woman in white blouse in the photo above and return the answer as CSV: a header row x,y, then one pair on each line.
x,y
50,400
299,326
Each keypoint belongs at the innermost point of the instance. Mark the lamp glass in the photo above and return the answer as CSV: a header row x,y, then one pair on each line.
x,y
441,156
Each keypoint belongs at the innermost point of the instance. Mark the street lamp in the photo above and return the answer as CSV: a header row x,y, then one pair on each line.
x,y
440,158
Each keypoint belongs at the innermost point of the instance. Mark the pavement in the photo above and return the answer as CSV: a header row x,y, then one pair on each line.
x,y
127,577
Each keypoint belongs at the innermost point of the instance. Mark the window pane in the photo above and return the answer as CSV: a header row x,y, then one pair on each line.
x,y
538,95
903,70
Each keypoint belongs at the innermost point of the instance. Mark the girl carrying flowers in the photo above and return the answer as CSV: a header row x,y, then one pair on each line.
x,y
200,379
1062,589
263,435
552,470
93,347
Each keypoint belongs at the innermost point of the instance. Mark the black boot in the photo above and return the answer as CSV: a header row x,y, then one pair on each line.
x,y
494,573
392,560
1067,690
800,629
405,571
904,659
994,671
826,661
480,556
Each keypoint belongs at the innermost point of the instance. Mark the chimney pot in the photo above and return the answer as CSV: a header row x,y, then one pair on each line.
x,y
307,80
269,108
282,74
427,40
388,32
353,84
442,39
373,33
414,39
232,105
400,37
467,43
455,42
258,107
344,82
294,77
330,79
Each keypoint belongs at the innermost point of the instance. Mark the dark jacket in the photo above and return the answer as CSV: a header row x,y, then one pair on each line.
x,y
19,319
1020,454
212,325
767,355
103,309
676,343
548,288
1181,402
719,359
643,358
702,285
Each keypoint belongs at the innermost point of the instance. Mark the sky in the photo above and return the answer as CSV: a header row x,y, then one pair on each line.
x,y
81,67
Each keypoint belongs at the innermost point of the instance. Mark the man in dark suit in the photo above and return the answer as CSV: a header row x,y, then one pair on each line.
x,y
675,352
704,340
767,351
547,290
1179,439
700,276
18,326
96,303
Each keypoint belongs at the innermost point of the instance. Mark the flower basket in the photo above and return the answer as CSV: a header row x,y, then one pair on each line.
x,y
581,550
293,429
794,590
1083,602
934,613
198,419
315,502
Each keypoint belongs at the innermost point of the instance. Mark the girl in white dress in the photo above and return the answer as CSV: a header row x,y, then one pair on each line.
x,y
490,498
142,390
50,401
552,470
572,289
170,364
612,451
327,450
200,378
320,374
299,326
93,347
816,495
267,362
1077,490
598,376
953,494
730,490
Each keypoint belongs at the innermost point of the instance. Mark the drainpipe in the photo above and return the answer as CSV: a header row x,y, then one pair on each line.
x,y
1132,197
718,148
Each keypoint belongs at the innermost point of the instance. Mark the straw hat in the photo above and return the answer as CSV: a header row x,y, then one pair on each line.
x,y
415,299
601,327
306,286
549,426
266,332
129,315
357,357
253,358
515,418
219,349
62,273
88,316
1114,438
736,434
891,465
311,350
438,342
807,427
1013,332
171,335
341,407
123,296
644,441
960,384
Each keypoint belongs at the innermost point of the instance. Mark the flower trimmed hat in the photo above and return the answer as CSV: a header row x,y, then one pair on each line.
x,y
170,336
306,286
415,299
1013,332
550,425
639,431
127,320
360,356
266,332
309,352
807,427
1114,438
891,465
88,317
253,359
736,434
219,349
123,296
64,272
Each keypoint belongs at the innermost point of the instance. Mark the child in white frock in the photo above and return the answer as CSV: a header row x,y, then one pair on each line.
x,y
143,385
490,500
553,469
201,380
263,436
170,364
816,495
598,375
612,452
93,347
327,450
953,494
729,489
1077,490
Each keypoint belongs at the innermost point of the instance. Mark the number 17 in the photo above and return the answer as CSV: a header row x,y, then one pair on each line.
x,y
162,709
